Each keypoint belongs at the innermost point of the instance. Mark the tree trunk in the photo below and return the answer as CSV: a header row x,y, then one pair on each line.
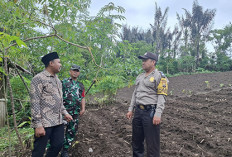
x,y
197,61
12,102
2,112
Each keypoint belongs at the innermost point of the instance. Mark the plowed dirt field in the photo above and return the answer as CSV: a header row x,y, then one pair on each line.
x,y
197,121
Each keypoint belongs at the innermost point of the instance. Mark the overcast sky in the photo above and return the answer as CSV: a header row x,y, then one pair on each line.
x,y
141,12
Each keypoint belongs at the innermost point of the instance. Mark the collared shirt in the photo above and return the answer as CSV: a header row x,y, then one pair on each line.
x,y
46,100
146,92
73,93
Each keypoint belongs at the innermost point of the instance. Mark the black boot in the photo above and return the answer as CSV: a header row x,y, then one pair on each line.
x,y
64,153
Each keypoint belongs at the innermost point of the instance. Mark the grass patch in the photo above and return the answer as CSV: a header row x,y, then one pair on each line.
x,y
27,135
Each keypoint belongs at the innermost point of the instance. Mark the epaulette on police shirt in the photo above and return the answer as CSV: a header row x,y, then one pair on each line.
x,y
162,88
162,74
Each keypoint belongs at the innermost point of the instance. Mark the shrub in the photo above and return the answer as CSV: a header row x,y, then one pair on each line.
x,y
109,85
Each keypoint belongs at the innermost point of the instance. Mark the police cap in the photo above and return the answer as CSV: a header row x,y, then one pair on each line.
x,y
149,55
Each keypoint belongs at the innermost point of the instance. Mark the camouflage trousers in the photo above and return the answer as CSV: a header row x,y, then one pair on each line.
x,y
70,132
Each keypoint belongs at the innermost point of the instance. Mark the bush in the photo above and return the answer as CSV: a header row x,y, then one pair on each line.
x,y
186,64
110,84
224,63
106,87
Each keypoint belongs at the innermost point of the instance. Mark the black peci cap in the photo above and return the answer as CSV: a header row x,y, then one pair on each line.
x,y
149,55
49,57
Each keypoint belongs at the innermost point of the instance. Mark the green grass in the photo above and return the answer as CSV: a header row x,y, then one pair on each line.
x,y
26,135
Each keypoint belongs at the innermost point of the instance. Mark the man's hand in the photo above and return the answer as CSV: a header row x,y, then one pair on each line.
x,y
129,114
82,112
156,120
39,131
68,117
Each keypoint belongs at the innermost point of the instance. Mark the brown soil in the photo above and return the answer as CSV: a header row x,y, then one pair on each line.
x,y
197,121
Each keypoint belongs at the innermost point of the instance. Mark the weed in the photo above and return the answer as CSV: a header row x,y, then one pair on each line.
x,y
207,84
101,100
171,92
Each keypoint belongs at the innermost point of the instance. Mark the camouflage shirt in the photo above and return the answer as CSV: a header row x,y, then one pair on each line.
x,y
46,100
73,93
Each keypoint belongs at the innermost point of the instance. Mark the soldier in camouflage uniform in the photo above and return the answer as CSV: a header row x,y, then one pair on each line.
x,y
74,102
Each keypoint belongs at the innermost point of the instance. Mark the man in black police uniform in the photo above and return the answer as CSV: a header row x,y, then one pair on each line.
x,y
148,100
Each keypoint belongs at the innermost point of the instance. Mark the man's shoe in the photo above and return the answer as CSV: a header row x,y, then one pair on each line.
x,y
64,153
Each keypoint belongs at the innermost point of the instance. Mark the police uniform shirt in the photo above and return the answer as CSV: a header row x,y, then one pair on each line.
x,y
145,92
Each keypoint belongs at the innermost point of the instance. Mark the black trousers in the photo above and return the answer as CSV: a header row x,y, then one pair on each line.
x,y
56,136
144,129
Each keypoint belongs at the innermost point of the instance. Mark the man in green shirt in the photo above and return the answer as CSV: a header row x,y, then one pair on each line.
x,y
74,102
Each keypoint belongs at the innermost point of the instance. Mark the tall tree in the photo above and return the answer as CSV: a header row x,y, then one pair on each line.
x,y
176,34
135,34
198,23
159,29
